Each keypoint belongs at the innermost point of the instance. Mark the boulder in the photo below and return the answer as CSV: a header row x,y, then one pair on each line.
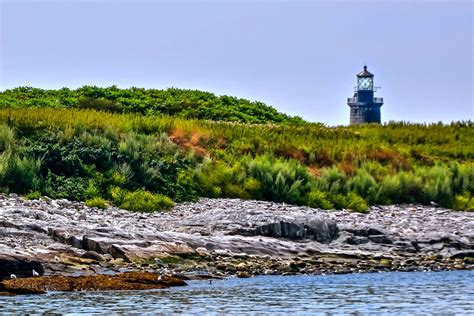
x,y
90,254
463,254
380,239
322,231
356,240
364,231
19,266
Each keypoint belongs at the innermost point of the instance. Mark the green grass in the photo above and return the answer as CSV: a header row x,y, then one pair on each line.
x,y
150,161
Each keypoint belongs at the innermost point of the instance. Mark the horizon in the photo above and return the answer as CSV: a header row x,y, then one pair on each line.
x,y
270,58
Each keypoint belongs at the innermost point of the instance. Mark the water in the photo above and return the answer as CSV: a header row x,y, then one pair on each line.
x,y
441,293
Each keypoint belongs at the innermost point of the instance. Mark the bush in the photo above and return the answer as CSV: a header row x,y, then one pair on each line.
x,y
350,201
100,104
320,200
97,202
364,185
356,203
438,185
62,187
35,195
464,202
332,181
7,138
117,195
145,201
19,174
280,180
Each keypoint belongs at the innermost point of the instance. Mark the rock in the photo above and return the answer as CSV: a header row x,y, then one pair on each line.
x,y
284,268
82,216
124,281
19,266
365,231
90,254
319,230
243,274
462,254
241,266
222,252
356,240
212,234
380,239
202,251
469,260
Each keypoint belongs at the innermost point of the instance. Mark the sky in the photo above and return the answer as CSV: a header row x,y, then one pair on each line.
x,y
300,57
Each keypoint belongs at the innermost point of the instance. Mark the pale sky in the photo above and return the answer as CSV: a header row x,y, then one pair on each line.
x,y
300,57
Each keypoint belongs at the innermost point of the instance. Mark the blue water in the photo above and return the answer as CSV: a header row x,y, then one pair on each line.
x,y
440,293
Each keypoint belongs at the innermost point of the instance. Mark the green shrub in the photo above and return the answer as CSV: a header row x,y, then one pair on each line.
x,y
117,195
34,195
100,104
331,181
389,190
350,201
411,187
145,201
356,203
212,177
19,174
464,202
62,187
281,180
7,138
364,185
319,199
338,200
97,202
437,185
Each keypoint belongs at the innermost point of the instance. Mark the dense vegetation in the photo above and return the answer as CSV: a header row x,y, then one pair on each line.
x,y
176,102
148,162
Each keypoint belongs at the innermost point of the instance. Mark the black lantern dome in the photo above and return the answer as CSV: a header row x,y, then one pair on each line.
x,y
365,73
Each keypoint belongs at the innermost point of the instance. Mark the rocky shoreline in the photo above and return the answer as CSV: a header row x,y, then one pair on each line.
x,y
229,237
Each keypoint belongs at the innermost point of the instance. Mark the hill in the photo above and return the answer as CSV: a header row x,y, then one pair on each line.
x,y
176,102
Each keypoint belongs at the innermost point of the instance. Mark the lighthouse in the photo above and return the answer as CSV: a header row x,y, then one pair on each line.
x,y
365,108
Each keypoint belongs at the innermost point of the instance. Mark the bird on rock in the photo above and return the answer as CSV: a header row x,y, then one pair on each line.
x,y
35,274
12,276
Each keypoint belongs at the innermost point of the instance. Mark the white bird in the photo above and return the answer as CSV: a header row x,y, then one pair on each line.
x,y
12,276
35,274
160,278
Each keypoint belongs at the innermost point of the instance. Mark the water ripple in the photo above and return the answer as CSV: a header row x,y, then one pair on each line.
x,y
440,293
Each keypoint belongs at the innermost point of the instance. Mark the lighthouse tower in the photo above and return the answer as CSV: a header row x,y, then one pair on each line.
x,y
365,108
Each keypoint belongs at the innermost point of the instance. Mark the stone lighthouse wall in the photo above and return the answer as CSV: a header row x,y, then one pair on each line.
x,y
365,114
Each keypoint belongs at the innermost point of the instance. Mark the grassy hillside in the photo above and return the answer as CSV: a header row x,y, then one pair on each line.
x,y
176,102
147,162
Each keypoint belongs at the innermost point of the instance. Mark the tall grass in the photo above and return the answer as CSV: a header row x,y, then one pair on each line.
x,y
82,154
